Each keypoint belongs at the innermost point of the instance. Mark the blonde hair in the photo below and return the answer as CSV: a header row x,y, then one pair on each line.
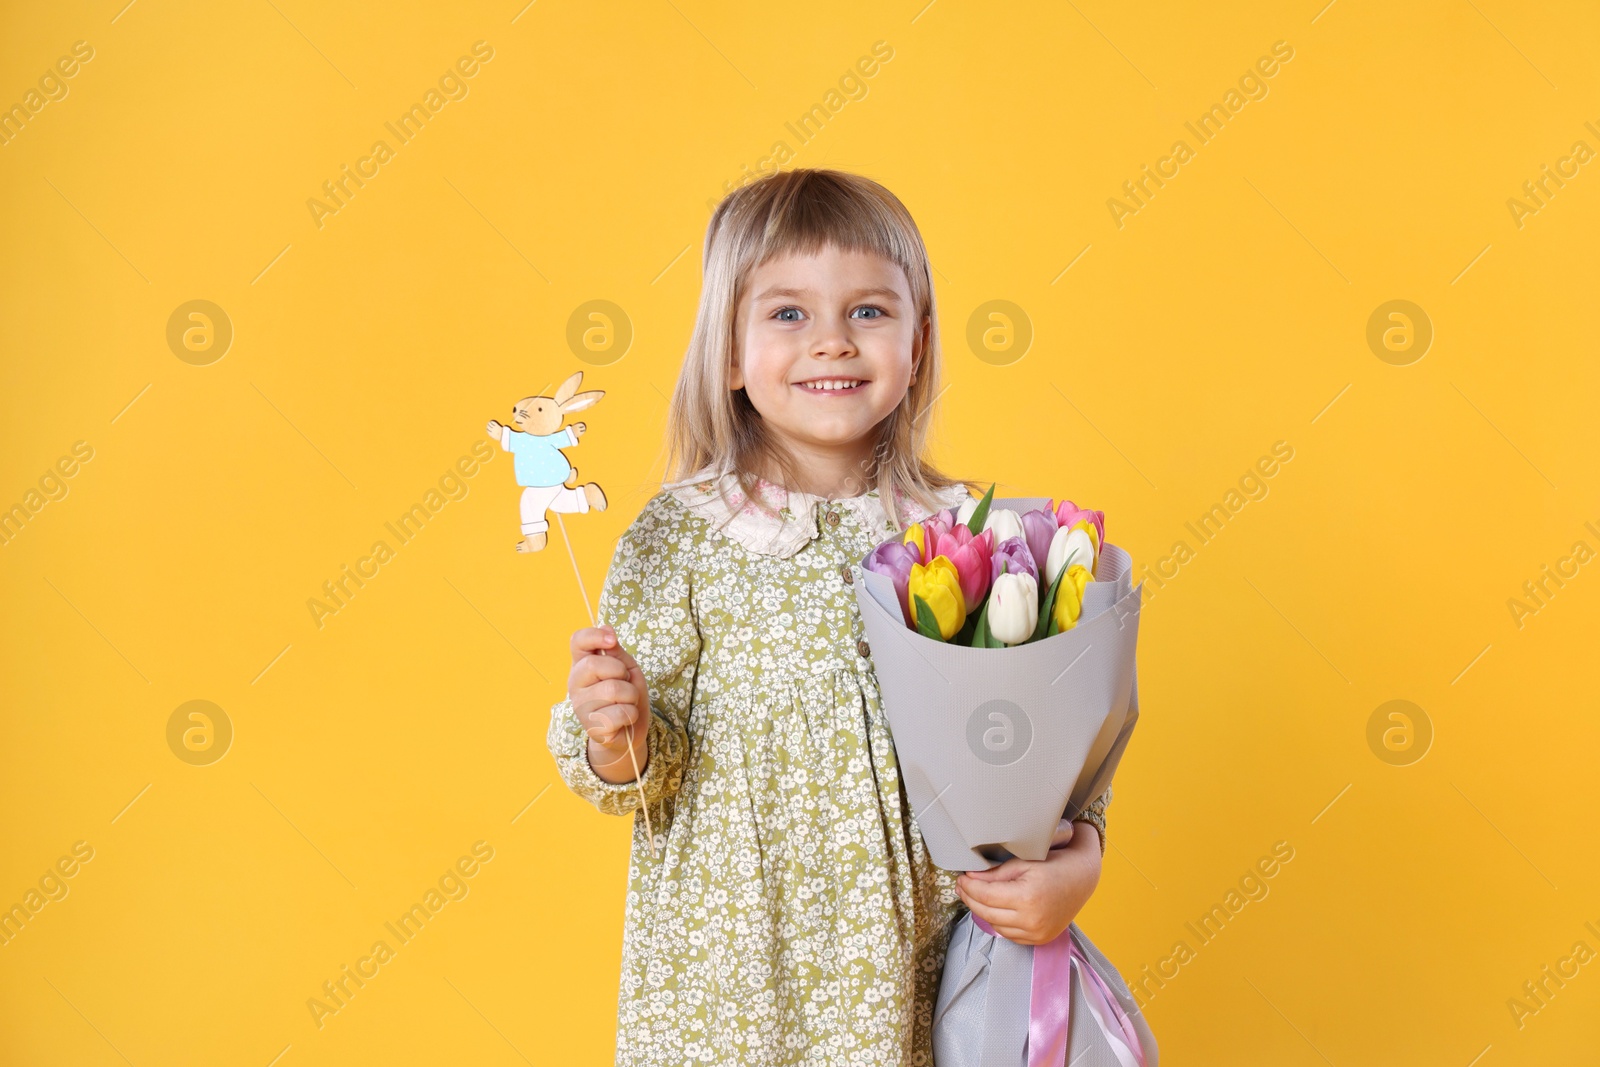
x,y
800,212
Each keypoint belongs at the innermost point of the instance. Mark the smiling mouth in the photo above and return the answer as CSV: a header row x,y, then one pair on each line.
x,y
832,386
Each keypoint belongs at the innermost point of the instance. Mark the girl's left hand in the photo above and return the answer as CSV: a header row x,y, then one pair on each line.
x,y
1032,901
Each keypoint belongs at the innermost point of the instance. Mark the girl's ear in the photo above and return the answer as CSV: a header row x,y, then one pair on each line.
x,y
735,375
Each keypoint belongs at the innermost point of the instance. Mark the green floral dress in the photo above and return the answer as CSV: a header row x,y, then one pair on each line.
x,y
792,914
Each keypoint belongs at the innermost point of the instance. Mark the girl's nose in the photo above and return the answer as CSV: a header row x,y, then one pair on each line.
x,y
833,340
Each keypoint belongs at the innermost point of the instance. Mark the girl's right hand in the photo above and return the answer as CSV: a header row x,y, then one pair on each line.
x,y
612,701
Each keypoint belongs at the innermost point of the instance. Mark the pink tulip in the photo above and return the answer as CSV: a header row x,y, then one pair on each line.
x,y
972,555
938,524
1068,513
924,547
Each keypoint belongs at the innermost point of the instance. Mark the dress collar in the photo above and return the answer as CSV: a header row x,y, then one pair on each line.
x,y
799,514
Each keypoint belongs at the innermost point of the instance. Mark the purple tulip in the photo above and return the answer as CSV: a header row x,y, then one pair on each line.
x,y
1039,526
1012,556
894,559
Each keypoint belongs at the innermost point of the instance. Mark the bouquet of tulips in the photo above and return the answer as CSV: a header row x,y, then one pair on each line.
x,y
974,576
996,748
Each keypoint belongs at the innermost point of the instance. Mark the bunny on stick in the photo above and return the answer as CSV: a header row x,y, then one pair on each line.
x,y
542,469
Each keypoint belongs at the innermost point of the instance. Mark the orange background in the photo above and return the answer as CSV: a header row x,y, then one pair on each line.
x,y
1166,356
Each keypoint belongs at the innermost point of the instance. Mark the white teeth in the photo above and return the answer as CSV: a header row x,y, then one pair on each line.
x,y
831,384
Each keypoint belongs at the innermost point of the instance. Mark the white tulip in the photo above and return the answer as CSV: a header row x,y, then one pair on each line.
x,y
1013,608
1081,542
1004,523
1068,544
964,512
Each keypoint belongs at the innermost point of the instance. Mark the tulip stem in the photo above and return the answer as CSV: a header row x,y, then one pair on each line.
x,y
980,634
1047,607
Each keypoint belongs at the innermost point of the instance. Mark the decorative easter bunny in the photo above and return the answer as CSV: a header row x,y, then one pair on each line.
x,y
542,468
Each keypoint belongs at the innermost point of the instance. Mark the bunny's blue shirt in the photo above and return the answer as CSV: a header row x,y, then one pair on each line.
x,y
539,461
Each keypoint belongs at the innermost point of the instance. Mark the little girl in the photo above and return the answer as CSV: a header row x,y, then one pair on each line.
x,y
788,912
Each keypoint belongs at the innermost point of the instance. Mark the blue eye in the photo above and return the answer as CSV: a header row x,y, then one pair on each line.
x,y
782,310
873,307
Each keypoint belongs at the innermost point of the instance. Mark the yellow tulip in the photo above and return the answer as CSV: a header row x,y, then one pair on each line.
x,y
915,536
1069,597
940,586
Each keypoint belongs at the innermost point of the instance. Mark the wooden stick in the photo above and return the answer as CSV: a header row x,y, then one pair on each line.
x,y
632,758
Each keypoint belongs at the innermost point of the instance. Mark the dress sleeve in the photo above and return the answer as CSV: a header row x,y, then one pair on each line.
x,y
1095,815
646,598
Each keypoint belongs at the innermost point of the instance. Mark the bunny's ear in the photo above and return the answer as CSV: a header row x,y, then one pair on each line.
x,y
567,388
583,400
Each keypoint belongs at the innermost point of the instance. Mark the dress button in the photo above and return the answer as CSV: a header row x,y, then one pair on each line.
x,y
849,575
862,649
833,518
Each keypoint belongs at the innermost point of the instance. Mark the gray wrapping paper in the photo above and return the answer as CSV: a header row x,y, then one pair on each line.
x,y
996,746
980,1018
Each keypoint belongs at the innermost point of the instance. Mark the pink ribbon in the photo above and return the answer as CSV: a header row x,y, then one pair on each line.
x,y
1050,1004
